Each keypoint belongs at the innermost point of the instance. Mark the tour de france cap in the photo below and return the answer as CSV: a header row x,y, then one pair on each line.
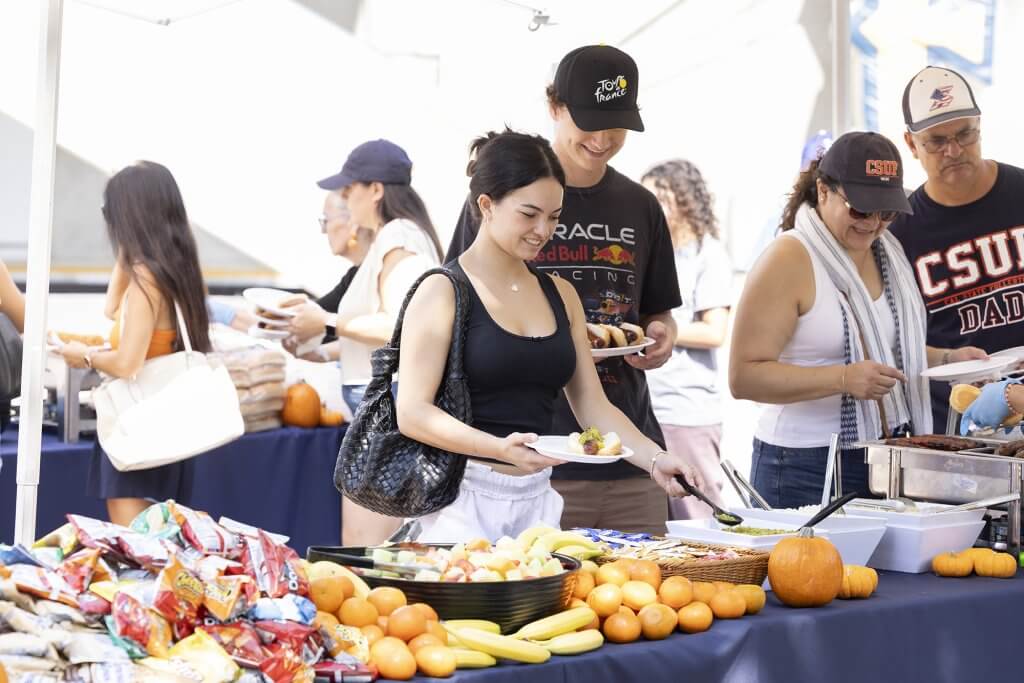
x,y
598,84
869,168
936,95
374,161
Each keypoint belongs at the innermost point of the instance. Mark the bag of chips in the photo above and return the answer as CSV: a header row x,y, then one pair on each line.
x,y
179,594
141,625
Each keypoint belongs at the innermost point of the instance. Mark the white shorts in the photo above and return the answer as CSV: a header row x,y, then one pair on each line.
x,y
491,505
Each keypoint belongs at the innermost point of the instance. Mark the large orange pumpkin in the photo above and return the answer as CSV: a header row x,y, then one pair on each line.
x,y
805,571
301,406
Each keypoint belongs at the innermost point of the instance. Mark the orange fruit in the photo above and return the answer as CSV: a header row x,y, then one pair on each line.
x,y
424,639
427,610
436,660
407,623
435,628
584,584
386,599
728,604
622,628
328,592
637,594
676,591
723,585
612,573
647,571
576,602
754,596
373,633
695,617
383,623
395,663
626,563
703,591
658,621
595,623
325,620
625,610
605,600
357,612
385,644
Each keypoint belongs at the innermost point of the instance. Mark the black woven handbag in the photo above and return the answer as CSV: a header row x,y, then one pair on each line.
x,y
384,471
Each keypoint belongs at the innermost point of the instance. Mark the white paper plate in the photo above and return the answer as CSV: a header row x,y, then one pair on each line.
x,y
556,447
262,333
268,299
621,350
270,322
970,370
1017,353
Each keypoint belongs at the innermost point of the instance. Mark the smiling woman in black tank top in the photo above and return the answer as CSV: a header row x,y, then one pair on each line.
x,y
526,341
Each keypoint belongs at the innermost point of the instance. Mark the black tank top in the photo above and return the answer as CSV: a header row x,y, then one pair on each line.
x,y
514,380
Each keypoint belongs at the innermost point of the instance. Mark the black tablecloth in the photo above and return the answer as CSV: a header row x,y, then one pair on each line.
x,y
915,628
280,480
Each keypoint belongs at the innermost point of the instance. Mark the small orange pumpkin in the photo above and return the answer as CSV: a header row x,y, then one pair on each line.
x,y
330,418
976,553
858,582
997,565
952,564
805,571
301,406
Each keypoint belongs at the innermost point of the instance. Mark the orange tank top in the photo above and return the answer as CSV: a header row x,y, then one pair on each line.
x,y
160,344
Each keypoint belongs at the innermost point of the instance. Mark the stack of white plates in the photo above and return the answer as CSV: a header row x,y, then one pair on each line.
x,y
267,300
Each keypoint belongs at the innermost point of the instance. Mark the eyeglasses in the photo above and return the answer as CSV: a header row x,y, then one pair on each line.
x,y
886,216
965,138
324,219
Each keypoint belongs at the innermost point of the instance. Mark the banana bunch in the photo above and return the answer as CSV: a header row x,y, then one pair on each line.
x,y
539,540
533,643
497,645
556,625
574,643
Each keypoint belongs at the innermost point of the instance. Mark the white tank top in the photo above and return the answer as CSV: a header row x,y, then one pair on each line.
x,y
817,341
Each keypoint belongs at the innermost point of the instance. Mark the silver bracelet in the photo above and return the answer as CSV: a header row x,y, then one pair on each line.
x,y
655,459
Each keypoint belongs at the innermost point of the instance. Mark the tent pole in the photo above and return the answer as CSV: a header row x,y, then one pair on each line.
x,y
37,278
840,67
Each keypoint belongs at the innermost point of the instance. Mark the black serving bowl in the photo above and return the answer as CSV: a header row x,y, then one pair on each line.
x,y
510,604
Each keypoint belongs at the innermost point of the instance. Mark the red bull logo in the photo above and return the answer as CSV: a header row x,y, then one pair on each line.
x,y
615,255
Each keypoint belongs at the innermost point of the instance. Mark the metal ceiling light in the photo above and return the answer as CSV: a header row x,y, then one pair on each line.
x,y
540,16
161,19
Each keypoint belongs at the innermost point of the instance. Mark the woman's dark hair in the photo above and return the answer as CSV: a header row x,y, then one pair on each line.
x,y
503,162
147,226
693,202
401,201
805,190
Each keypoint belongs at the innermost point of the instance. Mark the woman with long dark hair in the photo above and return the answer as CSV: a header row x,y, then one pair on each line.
x,y
375,182
686,393
526,343
156,265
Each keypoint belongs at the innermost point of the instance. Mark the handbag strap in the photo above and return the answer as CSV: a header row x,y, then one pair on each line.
x,y
458,325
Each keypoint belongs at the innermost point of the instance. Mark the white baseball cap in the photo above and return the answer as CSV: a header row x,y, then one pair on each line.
x,y
936,95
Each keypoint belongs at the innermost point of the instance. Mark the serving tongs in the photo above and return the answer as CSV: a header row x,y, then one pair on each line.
x,y
367,562
721,516
738,480
977,504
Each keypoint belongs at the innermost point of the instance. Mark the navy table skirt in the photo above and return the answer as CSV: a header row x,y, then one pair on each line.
x,y
279,480
917,627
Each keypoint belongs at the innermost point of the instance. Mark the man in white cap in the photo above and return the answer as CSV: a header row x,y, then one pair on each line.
x,y
965,238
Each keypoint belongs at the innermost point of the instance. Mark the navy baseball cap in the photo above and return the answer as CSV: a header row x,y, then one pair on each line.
x,y
598,84
869,168
374,161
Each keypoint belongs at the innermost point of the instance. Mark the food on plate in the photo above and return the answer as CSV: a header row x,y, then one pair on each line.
x,y
603,336
592,442
756,530
936,442
87,339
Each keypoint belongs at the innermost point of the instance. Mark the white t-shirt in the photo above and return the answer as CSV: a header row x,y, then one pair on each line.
x,y
363,297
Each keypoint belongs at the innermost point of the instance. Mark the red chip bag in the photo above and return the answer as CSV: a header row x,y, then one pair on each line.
x,y
275,567
78,569
204,534
288,633
240,640
140,625
179,594
284,665
228,597
90,603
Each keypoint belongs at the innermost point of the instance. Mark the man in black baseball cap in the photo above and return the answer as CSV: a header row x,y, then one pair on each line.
x,y
612,243
964,238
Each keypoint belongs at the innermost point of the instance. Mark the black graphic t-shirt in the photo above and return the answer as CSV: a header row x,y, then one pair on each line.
x,y
613,244
969,263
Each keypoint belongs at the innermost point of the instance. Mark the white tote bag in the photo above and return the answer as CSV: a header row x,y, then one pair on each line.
x,y
177,406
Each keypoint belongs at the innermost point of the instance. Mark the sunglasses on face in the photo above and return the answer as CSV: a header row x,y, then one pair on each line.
x,y
885,216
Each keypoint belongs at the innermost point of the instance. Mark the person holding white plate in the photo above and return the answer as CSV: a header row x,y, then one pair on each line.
x,y
830,328
526,342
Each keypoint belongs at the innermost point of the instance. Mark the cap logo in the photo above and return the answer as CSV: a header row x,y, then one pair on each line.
x,y
882,168
941,98
610,89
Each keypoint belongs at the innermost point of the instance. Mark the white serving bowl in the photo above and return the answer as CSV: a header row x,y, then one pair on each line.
x,y
854,536
911,549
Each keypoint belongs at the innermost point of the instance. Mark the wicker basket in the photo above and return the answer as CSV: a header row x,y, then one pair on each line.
x,y
751,567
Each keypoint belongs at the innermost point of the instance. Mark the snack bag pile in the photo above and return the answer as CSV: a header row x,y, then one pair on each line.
x,y
177,596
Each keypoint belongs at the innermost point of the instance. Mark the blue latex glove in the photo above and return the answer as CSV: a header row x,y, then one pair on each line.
x,y
989,409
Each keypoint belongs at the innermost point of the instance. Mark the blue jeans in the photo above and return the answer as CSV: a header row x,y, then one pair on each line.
x,y
353,394
792,477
